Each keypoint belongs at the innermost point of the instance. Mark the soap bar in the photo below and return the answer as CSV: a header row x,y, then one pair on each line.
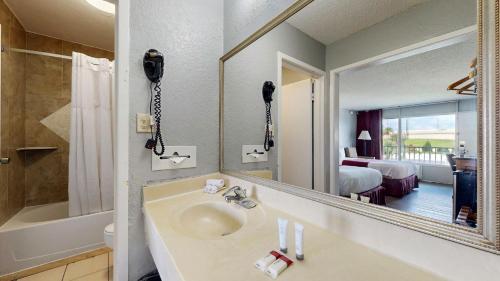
x,y
278,266
264,262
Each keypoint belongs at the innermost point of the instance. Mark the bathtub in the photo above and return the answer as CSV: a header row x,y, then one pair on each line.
x,y
41,234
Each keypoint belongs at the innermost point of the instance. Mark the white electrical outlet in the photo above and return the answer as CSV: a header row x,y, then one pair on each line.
x,y
143,123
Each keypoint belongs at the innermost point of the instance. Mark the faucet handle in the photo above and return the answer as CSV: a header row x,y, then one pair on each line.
x,y
231,189
240,192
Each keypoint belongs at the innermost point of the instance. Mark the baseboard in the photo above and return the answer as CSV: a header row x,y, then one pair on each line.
x,y
54,264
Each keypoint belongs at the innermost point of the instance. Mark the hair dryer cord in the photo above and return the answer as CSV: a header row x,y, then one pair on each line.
x,y
157,137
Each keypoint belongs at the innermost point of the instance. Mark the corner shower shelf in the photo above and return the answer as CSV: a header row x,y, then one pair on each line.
x,y
36,148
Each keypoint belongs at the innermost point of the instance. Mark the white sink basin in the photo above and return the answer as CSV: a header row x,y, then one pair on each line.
x,y
210,220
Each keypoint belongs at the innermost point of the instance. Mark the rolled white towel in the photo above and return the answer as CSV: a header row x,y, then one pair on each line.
x,y
212,189
216,182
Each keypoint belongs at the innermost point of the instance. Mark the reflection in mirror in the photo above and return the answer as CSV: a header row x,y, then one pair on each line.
x,y
405,125
59,181
414,132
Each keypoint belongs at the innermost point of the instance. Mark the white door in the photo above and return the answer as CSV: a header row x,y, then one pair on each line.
x,y
296,125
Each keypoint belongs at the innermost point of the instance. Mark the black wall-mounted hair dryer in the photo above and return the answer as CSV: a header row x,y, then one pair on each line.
x,y
267,95
153,63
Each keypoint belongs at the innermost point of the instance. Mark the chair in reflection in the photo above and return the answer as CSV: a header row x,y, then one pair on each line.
x,y
451,161
351,152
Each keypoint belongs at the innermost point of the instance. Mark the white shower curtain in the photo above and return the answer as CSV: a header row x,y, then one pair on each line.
x,y
91,136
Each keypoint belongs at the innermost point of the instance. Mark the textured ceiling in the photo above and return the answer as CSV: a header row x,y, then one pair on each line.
x,y
328,21
414,80
70,20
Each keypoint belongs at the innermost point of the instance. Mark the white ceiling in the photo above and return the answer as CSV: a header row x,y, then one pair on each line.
x,y
70,20
418,79
328,21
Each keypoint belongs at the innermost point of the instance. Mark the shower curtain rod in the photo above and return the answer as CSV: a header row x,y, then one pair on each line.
x,y
44,54
39,53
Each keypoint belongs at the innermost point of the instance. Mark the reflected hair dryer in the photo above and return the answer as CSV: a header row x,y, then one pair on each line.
x,y
267,95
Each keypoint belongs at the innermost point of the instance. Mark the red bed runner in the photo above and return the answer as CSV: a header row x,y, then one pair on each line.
x,y
355,163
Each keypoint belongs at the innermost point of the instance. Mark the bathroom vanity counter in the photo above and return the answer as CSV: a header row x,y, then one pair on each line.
x,y
182,252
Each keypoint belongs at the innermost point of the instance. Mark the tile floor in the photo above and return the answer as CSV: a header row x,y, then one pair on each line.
x,y
98,268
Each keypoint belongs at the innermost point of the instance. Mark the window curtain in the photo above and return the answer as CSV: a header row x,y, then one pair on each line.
x,y
370,121
90,187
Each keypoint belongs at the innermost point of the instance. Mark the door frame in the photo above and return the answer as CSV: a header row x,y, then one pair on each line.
x,y
319,107
121,142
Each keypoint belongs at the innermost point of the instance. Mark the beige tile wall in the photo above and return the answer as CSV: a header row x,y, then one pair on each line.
x,y
32,88
12,182
48,89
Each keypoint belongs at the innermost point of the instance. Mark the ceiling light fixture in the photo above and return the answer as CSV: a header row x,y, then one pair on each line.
x,y
103,5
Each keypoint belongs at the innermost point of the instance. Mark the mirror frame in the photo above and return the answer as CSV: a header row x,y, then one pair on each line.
x,y
486,236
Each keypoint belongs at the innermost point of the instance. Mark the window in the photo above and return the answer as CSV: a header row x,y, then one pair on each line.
x,y
425,139
390,138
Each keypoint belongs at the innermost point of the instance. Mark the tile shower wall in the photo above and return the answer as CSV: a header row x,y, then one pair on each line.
x,y
47,105
12,182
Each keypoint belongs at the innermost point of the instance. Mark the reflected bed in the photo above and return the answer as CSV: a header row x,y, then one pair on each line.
x,y
399,177
362,181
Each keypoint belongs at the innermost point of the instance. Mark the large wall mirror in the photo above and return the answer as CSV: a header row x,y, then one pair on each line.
x,y
379,105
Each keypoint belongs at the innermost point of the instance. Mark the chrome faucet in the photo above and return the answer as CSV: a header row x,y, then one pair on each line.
x,y
239,194
239,197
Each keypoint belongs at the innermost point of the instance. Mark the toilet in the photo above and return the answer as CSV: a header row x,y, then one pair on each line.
x,y
109,231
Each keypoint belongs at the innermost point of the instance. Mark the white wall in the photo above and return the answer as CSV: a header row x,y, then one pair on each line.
x,y
189,33
347,130
436,173
417,24
244,74
467,125
242,18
